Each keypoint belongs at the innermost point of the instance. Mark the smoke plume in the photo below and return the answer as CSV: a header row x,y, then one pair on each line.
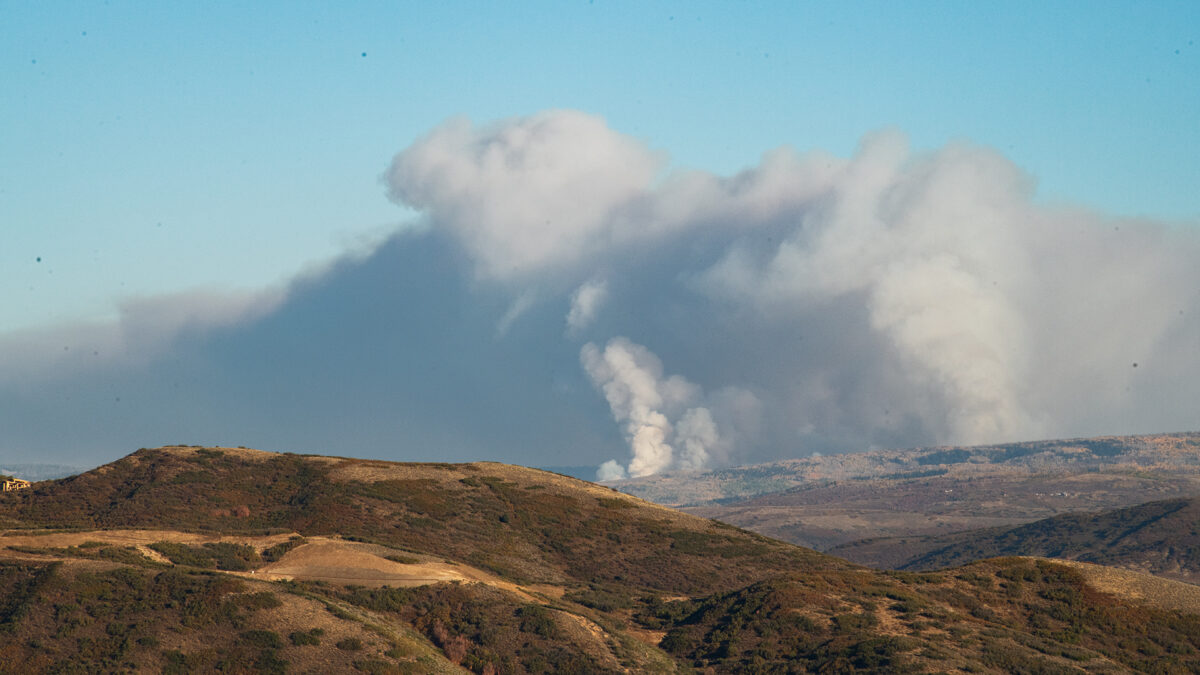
x,y
563,277
895,297
666,420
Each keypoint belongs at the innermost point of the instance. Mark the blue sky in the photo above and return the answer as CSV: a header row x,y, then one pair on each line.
x,y
150,149
161,146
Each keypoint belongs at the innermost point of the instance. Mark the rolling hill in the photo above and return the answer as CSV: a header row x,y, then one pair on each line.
x,y
188,559
1161,538
822,502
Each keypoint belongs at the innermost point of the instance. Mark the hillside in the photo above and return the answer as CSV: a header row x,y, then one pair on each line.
x,y
526,524
201,559
1161,538
823,502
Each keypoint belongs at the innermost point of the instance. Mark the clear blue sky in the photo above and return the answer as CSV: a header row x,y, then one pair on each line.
x,y
149,147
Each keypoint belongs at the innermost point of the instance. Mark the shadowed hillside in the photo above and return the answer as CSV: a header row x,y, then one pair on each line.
x,y
1161,538
189,559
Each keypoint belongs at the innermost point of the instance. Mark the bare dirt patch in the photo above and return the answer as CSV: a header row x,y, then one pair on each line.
x,y
646,636
344,562
325,559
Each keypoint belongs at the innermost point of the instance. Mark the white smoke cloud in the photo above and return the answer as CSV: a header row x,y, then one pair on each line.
x,y
926,243
696,433
527,194
586,302
645,403
895,297
610,470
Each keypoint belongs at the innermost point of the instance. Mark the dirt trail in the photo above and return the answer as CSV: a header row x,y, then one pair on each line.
x,y
319,559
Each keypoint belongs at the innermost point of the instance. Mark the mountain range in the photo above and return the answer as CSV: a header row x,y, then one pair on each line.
x,y
827,501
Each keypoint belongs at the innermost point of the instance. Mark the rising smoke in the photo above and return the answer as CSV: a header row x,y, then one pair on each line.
x,y
893,297
564,280
667,421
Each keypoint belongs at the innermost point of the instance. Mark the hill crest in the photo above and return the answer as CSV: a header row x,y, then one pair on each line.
x,y
575,578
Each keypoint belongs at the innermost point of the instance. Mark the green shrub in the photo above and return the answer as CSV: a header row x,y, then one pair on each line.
x,y
277,551
262,638
270,663
181,554
377,667
301,638
260,600
537,620
598,598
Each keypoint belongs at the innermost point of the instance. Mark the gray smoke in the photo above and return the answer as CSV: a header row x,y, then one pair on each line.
x,y
562,279
947,303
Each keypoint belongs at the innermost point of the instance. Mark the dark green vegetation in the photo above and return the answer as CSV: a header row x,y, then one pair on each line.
x,y
112,619
478,626
1159,537
1011,615
588,581
219,556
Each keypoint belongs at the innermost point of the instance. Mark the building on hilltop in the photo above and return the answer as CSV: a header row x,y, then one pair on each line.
x,y
16,484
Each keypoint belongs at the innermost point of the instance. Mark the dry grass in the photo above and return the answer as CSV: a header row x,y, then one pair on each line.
x,y
243,453
1139,587
326,559
372,471
582,631
133,538
343,562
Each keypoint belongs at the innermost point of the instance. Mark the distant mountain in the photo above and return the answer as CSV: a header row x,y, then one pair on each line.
x,y
39,471
823,502
1161,538
188,559
1176,453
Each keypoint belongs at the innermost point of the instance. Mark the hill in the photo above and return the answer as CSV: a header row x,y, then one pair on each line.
x,y
1161,538
189,559
823,502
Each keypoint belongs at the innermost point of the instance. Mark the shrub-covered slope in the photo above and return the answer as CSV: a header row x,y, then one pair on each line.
x,y
527,525
585,581
1161,537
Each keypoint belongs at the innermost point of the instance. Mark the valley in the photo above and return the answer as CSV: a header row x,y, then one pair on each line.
x,y
823,502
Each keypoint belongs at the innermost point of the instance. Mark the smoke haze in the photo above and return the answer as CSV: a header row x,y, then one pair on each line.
x,y
979,314
567,299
